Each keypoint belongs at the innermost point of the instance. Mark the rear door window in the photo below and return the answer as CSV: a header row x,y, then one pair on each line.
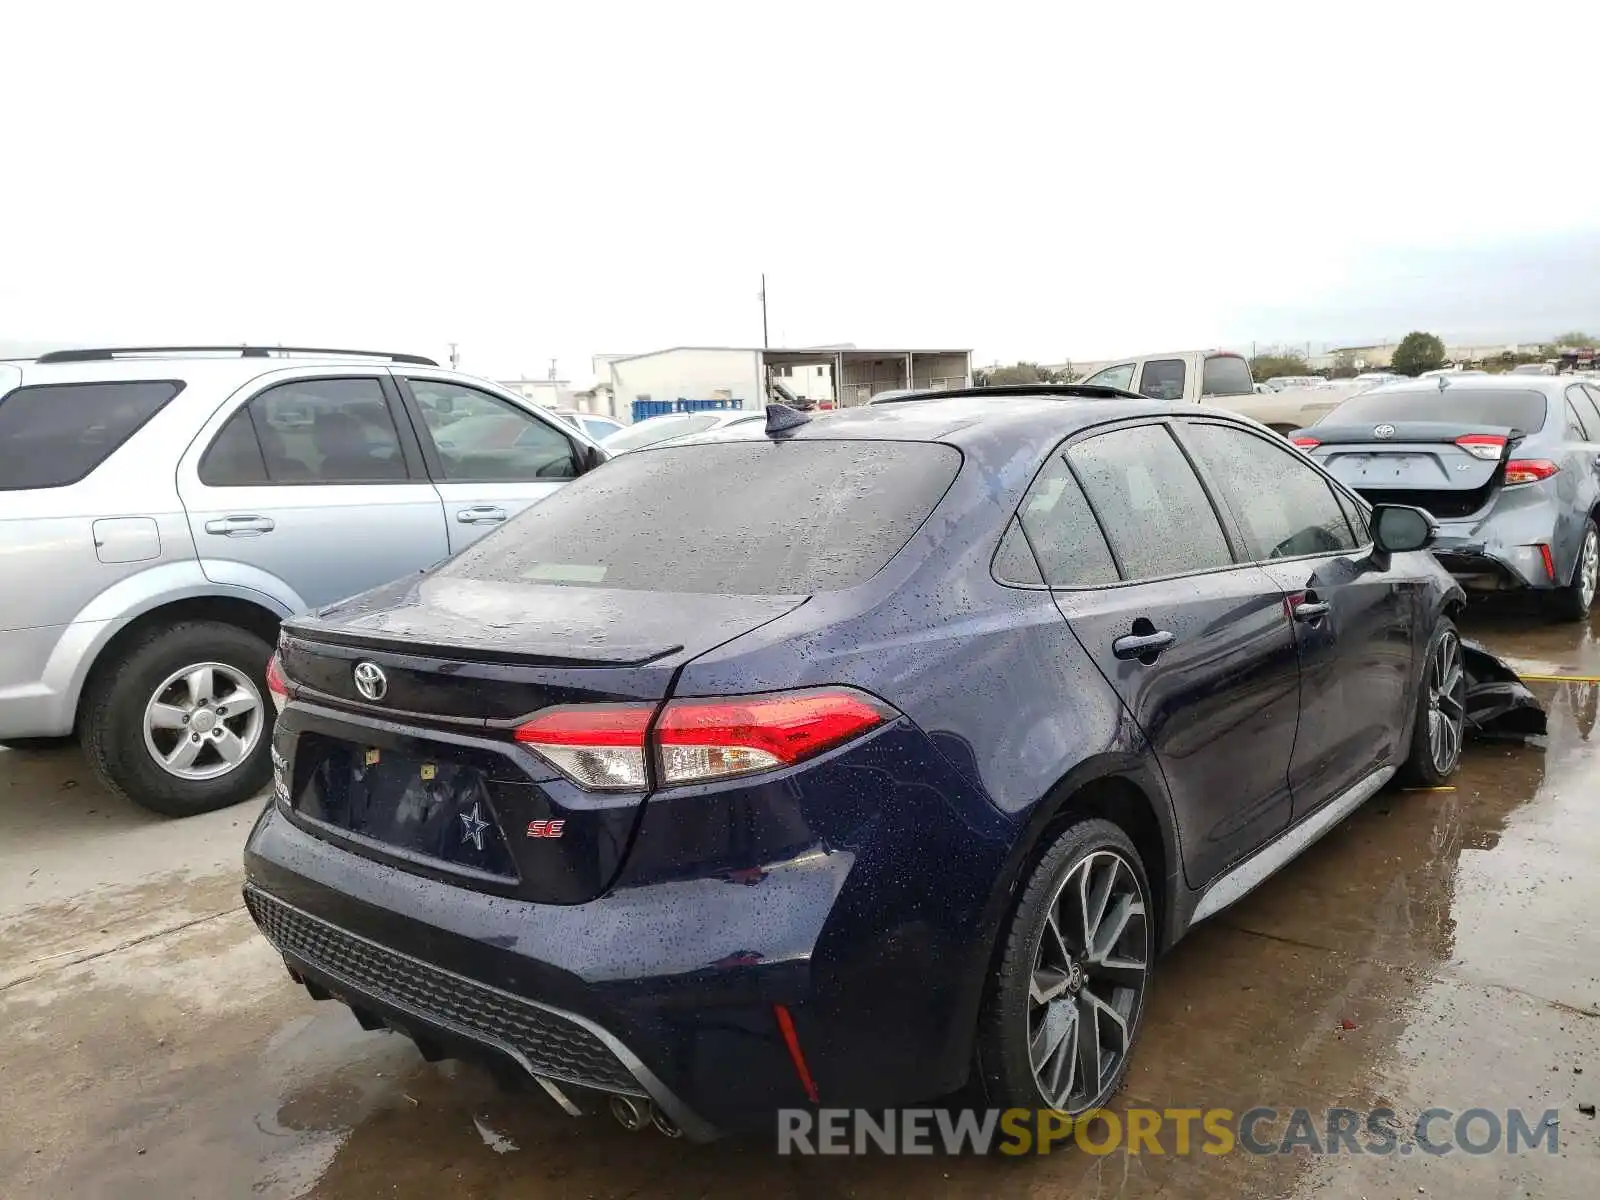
x,y
1582,400
1150,503
1226,375
1163,379
1282,505
313,431
740,518
53,435
1062,531
1575,427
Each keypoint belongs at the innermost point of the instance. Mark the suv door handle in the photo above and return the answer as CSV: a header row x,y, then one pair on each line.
x,y
480,514
1140,645
241,526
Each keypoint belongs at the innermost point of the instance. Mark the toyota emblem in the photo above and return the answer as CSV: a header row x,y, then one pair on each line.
x,y
371,682
1383,431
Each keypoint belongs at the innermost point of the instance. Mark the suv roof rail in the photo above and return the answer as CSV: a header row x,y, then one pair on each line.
x,y
1080,391
107,353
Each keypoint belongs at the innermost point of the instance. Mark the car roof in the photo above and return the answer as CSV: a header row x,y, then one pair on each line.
x,y
962,418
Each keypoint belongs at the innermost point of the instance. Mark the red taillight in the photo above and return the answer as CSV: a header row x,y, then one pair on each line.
x,y
1488,446
277,684
1306,443
608,747
1529,470
710,739
597,746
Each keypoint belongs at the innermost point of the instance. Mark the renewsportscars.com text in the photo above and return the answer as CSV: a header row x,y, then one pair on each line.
x,y
1175,1131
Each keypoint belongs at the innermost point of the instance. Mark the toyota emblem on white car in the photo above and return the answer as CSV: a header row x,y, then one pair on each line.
x,y
371,682
1383,431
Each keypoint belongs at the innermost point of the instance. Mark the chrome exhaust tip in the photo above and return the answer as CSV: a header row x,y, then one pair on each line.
x,y
632,1113
664,1124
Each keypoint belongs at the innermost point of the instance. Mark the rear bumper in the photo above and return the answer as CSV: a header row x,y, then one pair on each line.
x,y
868,921
1487,565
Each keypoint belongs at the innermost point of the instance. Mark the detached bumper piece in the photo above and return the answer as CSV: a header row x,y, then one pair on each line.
x,y
437,1007
1499,705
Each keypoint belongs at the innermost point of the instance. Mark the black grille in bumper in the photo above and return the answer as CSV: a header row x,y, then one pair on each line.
x,y
550,1044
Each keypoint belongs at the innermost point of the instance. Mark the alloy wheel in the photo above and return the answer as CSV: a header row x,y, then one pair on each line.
x,y
204,721
1589,568
1447,703
1088,981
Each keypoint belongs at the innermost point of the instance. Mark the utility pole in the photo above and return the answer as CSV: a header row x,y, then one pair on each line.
x,y
763,299
455,359
552,370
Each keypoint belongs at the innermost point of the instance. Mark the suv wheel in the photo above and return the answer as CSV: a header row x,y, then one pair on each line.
x,y
1440,724
1572,603
1065,1003
182,724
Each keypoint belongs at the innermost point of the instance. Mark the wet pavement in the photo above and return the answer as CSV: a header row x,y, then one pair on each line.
x,y
1439,949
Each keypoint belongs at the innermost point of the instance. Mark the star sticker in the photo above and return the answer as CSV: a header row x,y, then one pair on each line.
x,y
473,826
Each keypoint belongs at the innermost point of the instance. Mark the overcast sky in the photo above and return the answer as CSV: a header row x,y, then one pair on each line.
x,y
554,180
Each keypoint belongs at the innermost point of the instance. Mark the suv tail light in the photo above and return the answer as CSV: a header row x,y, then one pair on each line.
x,y
613,747
1529,470
1488,446
277,684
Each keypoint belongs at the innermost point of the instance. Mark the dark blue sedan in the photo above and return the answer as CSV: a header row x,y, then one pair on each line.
x,y
850,758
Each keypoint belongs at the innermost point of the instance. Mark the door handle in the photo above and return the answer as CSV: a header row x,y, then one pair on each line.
x,y
480,514
1142,645
241,526
1310,608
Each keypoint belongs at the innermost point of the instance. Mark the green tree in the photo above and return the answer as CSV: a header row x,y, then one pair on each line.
x,y
1023,373
1269,366
1418,352
1576,338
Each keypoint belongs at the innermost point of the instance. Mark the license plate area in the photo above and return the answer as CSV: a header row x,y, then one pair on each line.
x,y
437,810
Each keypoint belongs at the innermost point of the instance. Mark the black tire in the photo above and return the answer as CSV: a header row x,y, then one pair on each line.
x,y
112,723
1004,1066
1573,601
37,743
1423,767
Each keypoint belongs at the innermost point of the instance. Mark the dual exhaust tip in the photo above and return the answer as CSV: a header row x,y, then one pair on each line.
x,y
634,1113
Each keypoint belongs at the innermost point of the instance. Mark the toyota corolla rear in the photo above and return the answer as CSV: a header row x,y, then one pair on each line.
x,y
1468,455
504,824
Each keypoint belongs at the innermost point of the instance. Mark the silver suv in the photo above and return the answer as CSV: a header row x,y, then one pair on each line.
x,y
161,510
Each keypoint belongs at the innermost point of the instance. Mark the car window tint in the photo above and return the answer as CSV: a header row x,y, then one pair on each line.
x,y
1071,550
1282,505
327,431
1590,410
1117,377
1150,503
56,434
784,518
1163,379
1524,410
1013,561
481,438
1226,375
234,457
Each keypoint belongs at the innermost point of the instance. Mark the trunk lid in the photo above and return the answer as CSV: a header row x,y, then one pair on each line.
x,y
427,775
1424,463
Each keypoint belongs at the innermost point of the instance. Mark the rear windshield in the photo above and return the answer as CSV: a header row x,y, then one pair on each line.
x,y
1513,410
647,433
54,435
738,518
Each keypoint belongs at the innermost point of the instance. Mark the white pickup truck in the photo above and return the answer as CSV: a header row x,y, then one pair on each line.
x,y
1222,379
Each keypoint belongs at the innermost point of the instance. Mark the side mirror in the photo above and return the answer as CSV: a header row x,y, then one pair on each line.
x,y
1397,528
592,457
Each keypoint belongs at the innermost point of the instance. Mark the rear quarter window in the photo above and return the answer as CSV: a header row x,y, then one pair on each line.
x,y
737,518
53,435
